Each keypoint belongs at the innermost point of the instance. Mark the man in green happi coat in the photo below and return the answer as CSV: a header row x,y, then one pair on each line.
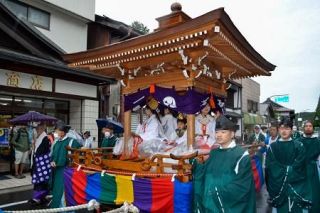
x,y
312,147
295,133
286,177
224,182
59,161
109,139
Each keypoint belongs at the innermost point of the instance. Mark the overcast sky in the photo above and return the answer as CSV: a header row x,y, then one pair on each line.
x,y
285,32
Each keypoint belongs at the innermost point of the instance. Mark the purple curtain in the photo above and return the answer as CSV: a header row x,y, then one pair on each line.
x,y
189,103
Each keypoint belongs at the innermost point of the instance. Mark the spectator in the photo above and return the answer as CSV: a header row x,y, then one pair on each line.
x,y
88,140
21,145
41,169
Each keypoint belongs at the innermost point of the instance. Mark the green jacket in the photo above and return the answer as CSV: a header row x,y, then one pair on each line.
x,y
312,147
224,183
109,142
252,138
20,140
59,151
286,176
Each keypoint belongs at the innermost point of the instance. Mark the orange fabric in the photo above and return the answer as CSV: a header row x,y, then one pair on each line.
x,y
152,89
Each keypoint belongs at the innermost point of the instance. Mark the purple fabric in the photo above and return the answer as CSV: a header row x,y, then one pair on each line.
x,y
68,173
32,116
142,189
189,103
39,194
42,169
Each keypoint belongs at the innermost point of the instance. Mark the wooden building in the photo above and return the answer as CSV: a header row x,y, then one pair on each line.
x,y
183,53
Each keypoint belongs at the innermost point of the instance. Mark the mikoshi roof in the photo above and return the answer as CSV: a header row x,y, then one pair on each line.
x,y
202,53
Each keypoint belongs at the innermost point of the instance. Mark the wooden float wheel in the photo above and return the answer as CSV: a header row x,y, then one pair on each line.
x,y
97,160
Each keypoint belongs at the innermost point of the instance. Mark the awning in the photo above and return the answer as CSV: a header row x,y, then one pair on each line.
x,y
232,114
249,118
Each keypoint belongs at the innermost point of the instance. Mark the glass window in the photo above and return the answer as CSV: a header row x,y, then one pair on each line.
x,y
58,105
5,101
28,102
39,17
21,11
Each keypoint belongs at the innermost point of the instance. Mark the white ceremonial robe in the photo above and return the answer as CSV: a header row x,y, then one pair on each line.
x,y
169,124
210,128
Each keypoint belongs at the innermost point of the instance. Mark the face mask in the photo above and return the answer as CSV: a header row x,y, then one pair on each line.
x,y
107,134
55,135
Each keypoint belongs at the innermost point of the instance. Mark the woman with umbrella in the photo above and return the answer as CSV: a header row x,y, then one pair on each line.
x,y
59,160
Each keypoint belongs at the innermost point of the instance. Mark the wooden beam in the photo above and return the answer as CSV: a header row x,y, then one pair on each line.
x,y
127,132
190,129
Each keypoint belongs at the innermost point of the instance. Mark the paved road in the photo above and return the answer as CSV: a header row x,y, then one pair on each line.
x,y
24,196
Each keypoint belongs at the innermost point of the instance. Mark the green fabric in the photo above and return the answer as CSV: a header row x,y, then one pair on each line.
x,y
21,140
296,135
57,187
312,147
286,176
59,156
108,192
218,188
252,138
59,152
109,142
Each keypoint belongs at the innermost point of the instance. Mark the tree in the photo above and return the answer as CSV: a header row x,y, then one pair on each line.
x,y
138,26
316,119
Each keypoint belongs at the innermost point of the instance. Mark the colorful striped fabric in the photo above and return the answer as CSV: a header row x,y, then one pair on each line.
x,y
149,195
257,172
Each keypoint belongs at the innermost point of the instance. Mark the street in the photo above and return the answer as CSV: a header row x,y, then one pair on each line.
x,y
18,201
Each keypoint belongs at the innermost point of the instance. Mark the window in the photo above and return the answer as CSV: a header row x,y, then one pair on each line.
x,y
253,106
39,17
230,99
34,15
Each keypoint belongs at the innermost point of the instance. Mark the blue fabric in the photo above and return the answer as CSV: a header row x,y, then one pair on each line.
x,y
259,168
93,189
182,197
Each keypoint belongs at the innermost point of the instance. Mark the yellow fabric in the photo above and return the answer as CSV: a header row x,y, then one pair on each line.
x,y
124,189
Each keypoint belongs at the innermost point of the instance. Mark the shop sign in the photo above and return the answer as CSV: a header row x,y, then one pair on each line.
x,y
4,136
24,80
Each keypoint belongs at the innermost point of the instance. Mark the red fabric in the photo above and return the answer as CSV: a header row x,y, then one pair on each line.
x,y
79,184
256,176
162,195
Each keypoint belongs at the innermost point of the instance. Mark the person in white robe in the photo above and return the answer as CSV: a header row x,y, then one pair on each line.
x,y
149,135
169,122
205,126
177,143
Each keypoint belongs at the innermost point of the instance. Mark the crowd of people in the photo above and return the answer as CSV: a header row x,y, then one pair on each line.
x,y
223,180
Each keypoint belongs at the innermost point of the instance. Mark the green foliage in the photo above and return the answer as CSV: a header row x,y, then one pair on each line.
x,y
138,26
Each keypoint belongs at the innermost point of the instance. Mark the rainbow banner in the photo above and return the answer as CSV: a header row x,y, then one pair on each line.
x,y
257,172
149,195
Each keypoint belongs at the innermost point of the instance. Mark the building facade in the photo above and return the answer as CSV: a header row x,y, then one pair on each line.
x,y
33,76
60,21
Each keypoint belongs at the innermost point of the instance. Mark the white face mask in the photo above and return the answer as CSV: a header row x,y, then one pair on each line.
x,y
107,134
55,135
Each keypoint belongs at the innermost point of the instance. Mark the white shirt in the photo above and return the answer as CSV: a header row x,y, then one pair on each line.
x,y
88,143
210,127
179,140
169,124
150,129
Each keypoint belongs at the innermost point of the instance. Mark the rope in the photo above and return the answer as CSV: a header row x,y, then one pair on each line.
x,y
131,173
125,208
93,204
